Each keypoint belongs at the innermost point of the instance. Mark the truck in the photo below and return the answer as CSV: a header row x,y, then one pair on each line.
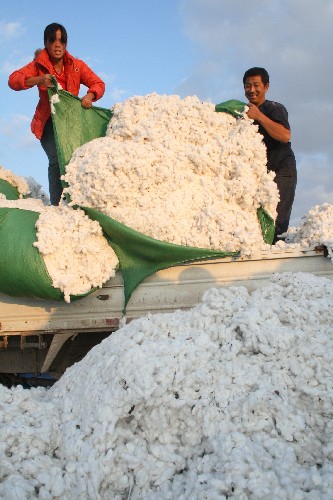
x,y
40,338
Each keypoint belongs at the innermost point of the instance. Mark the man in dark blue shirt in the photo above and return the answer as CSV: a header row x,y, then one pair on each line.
x,y
272,120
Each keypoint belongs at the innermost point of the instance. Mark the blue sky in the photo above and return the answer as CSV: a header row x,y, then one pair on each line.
x,y
184,47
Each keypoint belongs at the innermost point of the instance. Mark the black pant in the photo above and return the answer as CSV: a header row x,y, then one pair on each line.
x,y
49,146
286,180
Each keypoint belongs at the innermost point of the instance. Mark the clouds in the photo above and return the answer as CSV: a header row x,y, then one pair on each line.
x,y
294,41
290,37
20,152
15,132
8,31
11,126
316,186
8,66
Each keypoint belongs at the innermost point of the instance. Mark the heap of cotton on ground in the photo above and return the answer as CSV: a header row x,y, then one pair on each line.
x,y
76,254
177,171
233,398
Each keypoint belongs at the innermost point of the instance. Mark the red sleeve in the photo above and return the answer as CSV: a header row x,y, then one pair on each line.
x,y
92,81
16,80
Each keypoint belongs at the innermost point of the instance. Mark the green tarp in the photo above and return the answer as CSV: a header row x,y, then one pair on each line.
x,y
10,191
267,225
23,272
140,256
22,268
74,125
233,107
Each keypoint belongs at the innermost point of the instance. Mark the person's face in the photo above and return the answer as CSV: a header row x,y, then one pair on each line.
x,y
57,48
255,90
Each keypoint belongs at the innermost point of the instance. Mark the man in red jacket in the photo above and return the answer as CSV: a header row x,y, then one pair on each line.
x,y
70,73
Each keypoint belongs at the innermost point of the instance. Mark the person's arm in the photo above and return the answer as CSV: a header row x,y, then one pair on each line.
x,y
274,129
96,86
17,80
42,80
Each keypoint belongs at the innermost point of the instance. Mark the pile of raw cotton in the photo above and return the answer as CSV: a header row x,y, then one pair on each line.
x,y
89,261
19,182
35,205
231,399
26,186
76,253
177,171
316,229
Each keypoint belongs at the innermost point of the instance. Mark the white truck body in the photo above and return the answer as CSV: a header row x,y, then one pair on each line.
x,y
43,327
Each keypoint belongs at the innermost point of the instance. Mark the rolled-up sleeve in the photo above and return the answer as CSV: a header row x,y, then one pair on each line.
x,y
16,80
94,83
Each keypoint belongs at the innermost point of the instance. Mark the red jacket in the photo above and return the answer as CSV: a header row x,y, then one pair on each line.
x,y
76,72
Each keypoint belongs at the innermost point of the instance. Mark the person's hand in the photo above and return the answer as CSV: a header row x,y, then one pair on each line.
x,y
46,81
86,101
253,112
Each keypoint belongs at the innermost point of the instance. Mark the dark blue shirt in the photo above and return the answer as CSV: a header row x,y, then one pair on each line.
x,y
278,153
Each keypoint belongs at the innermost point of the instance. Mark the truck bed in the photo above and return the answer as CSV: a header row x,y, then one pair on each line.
x,y
45,326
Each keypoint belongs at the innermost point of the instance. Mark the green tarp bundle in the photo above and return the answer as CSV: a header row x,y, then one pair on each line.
x,y
233,107
22,269
23,272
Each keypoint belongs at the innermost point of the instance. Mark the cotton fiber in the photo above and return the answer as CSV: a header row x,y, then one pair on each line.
x,y
177,171
19,182
316,229
231,399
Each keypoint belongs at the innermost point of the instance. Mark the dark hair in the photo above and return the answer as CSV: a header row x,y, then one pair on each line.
x,y
50,33
257,72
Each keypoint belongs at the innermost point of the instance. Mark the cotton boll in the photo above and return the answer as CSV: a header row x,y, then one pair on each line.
x,y
16,488
25,425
